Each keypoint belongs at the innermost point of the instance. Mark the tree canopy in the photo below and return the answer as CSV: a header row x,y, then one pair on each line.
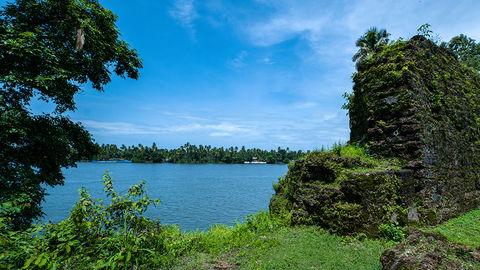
x,y
466,49
370,42
50,49
189,153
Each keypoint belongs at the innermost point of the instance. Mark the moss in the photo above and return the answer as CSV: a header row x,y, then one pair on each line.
x,y
344,190
423,250
416,111
414,101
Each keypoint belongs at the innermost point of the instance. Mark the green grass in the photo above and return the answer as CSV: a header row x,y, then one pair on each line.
x,y
311,248
374,163
305,247
295,248
462,230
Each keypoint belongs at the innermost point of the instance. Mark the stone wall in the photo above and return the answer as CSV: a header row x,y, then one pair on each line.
x,y
343,190
416,110
416,102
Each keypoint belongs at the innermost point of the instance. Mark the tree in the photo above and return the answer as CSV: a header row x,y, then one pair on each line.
x,y
466,49
49,49
425,30
372,41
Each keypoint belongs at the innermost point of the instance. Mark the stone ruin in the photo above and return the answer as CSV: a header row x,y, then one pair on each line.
x,y
416,109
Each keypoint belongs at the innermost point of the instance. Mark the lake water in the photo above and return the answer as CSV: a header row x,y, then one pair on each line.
x,y
193,196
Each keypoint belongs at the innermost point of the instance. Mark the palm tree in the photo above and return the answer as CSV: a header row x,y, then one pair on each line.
x,y
372,41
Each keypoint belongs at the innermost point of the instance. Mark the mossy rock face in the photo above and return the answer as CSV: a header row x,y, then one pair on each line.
x,y
415,101
343,193
430,251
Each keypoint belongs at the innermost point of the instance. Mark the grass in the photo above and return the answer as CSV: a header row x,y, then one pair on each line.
x,y
375,163
464,229
312,248
294,248
282,247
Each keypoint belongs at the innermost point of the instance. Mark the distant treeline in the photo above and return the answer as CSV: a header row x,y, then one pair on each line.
x,y
194,154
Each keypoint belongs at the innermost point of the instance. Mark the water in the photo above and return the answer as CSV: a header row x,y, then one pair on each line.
x,y
192,196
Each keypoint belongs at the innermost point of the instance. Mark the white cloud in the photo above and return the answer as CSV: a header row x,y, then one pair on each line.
x,y
280,126
308,20
119,127
184,11
238,61
125,128
184,116
332,27
284,27
304,105
267,60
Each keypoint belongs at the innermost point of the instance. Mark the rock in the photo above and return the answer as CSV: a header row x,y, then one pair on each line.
x,y
391,100
345,195
429,251
413,214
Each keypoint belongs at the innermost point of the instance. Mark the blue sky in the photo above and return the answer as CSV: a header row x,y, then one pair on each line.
x,y
256,73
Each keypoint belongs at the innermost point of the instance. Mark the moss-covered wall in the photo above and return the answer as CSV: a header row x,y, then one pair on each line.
x,y
416,109
343,190
415,101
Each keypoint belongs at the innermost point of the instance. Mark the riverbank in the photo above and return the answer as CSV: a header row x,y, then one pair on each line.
x,y
167,162
118,236
286,247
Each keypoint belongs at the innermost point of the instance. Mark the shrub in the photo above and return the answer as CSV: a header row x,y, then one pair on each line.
x,y
115,235
96,234
391,231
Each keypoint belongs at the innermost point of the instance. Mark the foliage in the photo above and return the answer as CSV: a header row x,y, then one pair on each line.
x,y
194,154
48,50
371,42
466,49
95,234
116,235
425,30
391,231
415,101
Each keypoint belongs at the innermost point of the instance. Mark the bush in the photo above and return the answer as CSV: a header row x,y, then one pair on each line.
x,y
392,232
113,235
116,235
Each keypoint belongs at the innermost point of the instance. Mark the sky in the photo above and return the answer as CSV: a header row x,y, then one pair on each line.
x,y
258,73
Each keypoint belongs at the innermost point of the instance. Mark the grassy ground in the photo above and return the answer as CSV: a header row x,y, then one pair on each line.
x,y
310,248
313,248
462,230
295,248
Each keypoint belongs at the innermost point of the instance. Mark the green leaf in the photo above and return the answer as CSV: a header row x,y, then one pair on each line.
x,y
28,262
39,259
129,256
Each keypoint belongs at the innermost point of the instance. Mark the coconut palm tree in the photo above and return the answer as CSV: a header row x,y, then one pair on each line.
x,y
372,41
